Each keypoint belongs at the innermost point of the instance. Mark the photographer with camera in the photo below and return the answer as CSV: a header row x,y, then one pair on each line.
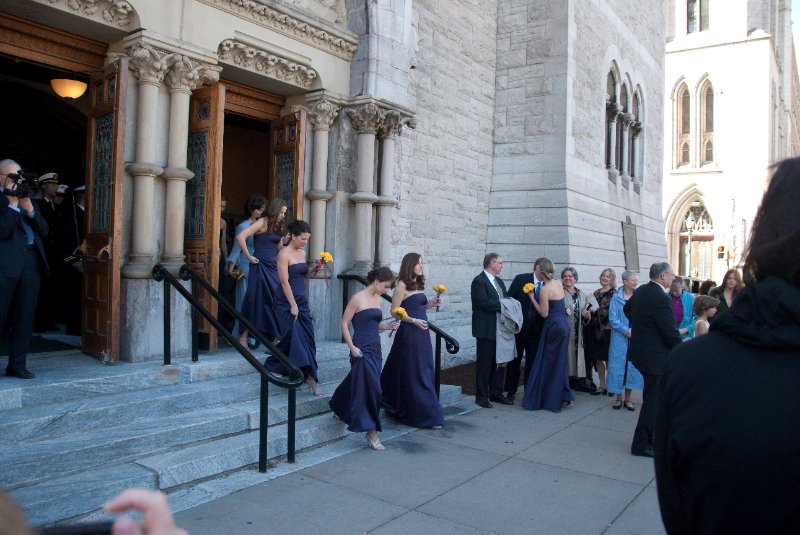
x,y
22,264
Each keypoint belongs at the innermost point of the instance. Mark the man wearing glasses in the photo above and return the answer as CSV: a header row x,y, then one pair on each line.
x,y
486,291
22,264
653,335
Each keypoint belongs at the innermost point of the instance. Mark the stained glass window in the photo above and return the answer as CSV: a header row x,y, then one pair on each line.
x,y
101,171
196,187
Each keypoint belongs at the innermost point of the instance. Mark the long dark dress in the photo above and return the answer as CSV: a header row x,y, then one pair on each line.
x,y
297,335
407,381
263,286
357,400
547,386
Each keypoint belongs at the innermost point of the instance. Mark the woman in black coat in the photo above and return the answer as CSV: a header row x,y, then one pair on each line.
x,y
727,439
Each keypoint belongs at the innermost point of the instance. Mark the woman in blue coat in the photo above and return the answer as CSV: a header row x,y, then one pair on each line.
x,y
617,381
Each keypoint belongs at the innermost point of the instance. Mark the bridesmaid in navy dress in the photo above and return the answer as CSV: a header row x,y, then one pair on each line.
x,y
295,325
357,400
547,386
407,381
263,286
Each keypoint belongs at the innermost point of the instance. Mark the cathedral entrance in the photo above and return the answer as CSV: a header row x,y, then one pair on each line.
x,y
47,133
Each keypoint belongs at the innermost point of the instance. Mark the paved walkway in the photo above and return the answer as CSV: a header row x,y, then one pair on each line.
x,y
500,470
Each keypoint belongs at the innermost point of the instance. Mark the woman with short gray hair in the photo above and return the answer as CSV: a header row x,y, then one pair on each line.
x,y
618,379
578,304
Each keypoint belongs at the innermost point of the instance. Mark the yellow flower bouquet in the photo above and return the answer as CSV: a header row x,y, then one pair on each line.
x,y
439,289
528,288
324,258
398,314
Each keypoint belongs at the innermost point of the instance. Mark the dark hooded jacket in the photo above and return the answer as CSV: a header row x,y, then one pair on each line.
x,y
727,437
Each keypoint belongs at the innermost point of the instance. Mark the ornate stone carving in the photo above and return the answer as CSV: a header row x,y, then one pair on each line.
x,y
613,110
627,119
117,13
266,63
187,74
366,118
636,129
321,114
149,64
392,123
273,19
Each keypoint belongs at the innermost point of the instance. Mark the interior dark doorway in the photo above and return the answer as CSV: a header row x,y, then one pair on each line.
x,y
47,134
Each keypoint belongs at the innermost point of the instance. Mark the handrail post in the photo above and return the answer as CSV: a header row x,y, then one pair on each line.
x,y
263,422
290,428
438,363
195,357
167,325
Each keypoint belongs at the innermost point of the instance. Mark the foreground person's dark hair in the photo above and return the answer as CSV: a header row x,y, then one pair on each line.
x,y
774,245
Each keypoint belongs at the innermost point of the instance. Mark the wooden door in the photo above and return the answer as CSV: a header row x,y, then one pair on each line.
x,y
287,146
101,247
201,237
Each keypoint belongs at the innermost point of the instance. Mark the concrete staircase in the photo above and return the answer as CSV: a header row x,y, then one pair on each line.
x,y
83,431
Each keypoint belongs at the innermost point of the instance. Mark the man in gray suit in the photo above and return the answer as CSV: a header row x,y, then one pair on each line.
x,y
486,291
653,335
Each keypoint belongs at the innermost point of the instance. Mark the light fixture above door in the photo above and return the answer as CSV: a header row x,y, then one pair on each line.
x,y
67,88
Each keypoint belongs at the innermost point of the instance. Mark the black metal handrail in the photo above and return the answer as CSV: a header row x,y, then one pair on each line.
x,y
292,382
450,342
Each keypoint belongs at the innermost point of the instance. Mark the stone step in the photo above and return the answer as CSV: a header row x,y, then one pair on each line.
x,y
68,417
232,453
72,375
178,470
68,496
29,462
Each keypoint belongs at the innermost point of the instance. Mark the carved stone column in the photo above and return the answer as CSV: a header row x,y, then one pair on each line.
x,y
149,66
627,119
184,75
636,130
365,120
321,115
613,110
390,127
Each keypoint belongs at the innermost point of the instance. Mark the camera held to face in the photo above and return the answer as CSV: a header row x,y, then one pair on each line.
x,y
23,182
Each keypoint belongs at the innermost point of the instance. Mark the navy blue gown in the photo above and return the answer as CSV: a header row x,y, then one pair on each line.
x,y
263,286
407,381
547,386
297,335
357,400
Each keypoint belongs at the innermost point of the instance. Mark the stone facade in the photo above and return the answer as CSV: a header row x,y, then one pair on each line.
x,y
551,195
446,128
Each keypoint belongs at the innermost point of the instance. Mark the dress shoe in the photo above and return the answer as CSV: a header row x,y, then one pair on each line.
x,y
501,400
20,374
483,402
646,451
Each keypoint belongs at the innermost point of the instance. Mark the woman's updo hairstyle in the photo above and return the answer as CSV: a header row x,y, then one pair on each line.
x,y
380,274
298,227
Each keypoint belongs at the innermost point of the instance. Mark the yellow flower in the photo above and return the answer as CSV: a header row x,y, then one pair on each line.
x,y
399,313
528,288
325,256
440,289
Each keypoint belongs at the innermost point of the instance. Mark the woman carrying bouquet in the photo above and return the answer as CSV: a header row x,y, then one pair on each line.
x,y
407,381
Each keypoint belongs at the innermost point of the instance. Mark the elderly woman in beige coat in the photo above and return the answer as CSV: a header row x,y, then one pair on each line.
x,y
578,304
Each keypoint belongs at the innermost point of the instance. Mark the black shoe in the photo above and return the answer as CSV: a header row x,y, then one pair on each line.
x,y
501,400
647,451
20,374
483,402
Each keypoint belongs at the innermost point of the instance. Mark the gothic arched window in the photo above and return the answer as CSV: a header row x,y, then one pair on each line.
x,y
611,102
683,123
707,123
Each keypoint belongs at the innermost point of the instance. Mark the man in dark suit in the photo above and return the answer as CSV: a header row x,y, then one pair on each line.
x,y
528,338
653,335
486,291
22,264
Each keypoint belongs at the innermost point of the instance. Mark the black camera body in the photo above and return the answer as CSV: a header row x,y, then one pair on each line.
x,y
24,182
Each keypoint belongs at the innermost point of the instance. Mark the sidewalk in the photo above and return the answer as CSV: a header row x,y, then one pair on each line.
x,y
500,470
